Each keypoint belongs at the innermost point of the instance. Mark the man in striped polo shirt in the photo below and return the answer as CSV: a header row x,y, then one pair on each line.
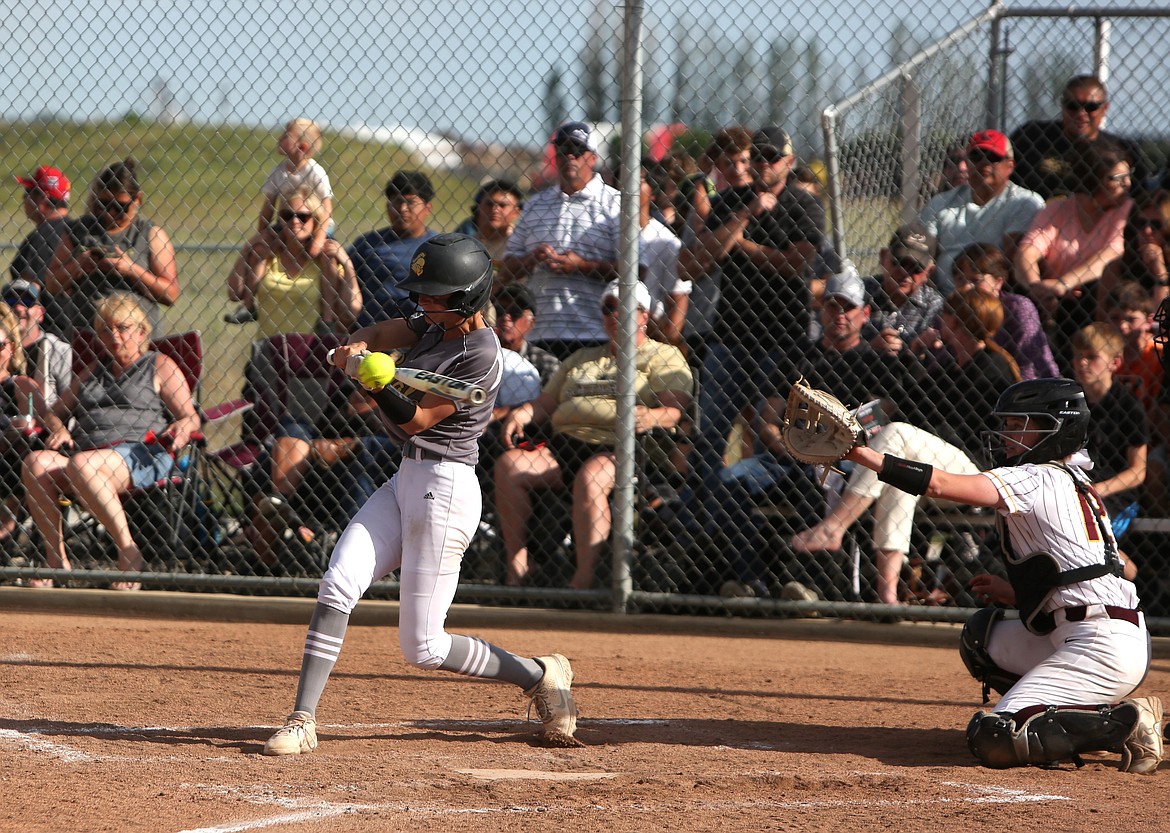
x,y
565,246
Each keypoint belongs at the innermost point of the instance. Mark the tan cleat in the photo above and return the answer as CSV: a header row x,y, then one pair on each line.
x,y
554,702
297,735
1143,747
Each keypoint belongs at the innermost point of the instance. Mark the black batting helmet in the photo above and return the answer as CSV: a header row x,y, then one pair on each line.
x,y
1054,407
455,266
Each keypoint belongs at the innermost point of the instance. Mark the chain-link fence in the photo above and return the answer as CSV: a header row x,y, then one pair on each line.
x,y
263,182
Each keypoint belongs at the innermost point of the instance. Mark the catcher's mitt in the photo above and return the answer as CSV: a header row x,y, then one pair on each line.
x,y
817,428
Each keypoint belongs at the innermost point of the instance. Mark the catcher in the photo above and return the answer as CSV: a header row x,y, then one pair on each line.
x,y
1067,667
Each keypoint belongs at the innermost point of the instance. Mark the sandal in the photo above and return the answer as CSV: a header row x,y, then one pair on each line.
x,y
129,561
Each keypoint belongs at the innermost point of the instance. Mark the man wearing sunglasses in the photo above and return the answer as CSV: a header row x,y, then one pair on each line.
x,y
905,302
46,204
1045,149
49,359
988,208
565,246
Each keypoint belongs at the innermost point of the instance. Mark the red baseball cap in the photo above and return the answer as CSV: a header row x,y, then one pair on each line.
x,y
49,181
991,141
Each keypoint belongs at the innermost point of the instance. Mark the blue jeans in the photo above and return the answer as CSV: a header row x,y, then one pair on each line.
x,y
375,463
341,490
743,485
732,377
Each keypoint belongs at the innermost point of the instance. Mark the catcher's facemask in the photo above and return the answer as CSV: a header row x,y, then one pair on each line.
x,y
1007,444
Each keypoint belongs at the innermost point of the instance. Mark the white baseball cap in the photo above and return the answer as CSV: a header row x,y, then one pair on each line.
x,y
846,285
641,293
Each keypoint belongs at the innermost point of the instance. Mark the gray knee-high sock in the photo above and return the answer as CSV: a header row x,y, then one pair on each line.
x,y
322,646
475,657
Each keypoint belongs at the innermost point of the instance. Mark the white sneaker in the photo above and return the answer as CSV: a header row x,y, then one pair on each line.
x,y
297,735
554,702
1143,747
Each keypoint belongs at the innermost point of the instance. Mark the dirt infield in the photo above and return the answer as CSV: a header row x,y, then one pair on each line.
x,y
115,720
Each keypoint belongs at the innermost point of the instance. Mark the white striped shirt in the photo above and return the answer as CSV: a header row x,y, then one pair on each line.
x,y
568,307
1046,513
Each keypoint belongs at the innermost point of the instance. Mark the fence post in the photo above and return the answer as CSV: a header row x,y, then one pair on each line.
x,y
830,123
911,106
622,531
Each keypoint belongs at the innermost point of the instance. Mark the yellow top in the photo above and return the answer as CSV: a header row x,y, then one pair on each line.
x,y
585,388
286,304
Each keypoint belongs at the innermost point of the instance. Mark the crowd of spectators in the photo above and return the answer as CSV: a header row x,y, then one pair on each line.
x,y
1041,254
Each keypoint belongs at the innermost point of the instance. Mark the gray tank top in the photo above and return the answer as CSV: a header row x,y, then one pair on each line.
x,y
474,358
118,409
88,290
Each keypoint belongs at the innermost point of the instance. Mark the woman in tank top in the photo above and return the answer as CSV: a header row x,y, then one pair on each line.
x,y
111,249
287,289
126,396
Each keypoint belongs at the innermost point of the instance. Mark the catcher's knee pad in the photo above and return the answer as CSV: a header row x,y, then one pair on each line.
x,y
973,642
1055,735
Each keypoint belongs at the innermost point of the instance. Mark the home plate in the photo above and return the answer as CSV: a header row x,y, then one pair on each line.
x,y
533,775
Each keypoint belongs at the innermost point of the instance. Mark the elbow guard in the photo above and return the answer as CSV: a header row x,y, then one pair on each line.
x,y
397,408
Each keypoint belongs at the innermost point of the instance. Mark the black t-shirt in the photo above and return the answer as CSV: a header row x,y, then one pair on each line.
x,y
762,309
36,251
1044,158
958,400
855,376
1116,424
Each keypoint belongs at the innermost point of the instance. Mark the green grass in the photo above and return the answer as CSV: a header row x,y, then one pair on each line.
x,y
202,184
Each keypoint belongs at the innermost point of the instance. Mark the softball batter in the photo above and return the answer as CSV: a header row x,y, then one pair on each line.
x,y
423,519
1080,645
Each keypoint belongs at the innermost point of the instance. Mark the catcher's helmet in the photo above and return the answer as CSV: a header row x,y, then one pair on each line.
x,y
455,266
1056,408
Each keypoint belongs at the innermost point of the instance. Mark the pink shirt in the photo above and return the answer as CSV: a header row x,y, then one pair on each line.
x,y
1065,244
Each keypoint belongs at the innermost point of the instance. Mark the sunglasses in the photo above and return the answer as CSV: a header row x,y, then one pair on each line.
x,y
575,151
835,303
289,215
909,265
609,309
767,155
1140,222
1126,177
21,300
516,312
113,206
1088,106
978,157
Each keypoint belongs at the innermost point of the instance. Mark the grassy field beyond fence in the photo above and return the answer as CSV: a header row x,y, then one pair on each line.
x,y
202,184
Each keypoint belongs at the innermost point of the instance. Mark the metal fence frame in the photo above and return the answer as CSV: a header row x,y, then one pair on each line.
x,y
622,597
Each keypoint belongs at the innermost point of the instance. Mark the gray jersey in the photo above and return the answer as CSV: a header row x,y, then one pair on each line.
x,y
475,358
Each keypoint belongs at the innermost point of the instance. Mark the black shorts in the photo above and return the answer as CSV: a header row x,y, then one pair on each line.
x,y
571,454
